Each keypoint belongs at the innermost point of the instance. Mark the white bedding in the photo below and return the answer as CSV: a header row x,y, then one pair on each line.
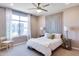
x,y
44,45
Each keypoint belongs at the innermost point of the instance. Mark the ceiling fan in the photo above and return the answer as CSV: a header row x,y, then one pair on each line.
x,y
39,7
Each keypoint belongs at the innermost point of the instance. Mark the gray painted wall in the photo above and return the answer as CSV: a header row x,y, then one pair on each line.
x,y
54,23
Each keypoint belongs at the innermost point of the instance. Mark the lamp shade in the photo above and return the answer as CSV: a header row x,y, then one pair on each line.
x,y
41,28
65,28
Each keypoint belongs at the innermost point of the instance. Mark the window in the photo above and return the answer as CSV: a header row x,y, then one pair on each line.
x,y
18,25
15,17
14,28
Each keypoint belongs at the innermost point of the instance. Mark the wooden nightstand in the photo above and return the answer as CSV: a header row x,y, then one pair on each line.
x,y
67,44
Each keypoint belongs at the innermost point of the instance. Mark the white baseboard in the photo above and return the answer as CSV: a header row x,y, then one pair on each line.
x,y
19,43
75,48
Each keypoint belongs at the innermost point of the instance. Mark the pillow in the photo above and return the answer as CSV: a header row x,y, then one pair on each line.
x,y
57,36
53,36
49,36
46,35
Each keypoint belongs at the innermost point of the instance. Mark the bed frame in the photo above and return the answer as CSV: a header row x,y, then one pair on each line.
x,y
42,53
35,50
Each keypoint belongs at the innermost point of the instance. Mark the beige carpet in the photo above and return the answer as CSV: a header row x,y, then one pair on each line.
x,y
22,50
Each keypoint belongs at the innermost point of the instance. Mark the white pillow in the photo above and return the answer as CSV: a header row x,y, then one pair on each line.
x,y
57,36
46,35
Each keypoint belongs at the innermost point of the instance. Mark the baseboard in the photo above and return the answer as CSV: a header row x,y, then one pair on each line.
x,y
75,48
19,43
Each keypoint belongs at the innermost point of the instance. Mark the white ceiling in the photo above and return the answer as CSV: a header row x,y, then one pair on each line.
x,y
52,8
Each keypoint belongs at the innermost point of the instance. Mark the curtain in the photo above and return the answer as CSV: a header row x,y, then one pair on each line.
x,y
54,23
9,13
8,20
29,27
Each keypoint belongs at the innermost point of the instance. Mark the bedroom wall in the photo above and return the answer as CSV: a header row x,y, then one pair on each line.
x,y
34,26
41,24
71,20
54,23
2,23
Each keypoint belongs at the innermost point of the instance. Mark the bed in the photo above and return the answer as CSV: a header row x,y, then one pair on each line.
x,y
44,45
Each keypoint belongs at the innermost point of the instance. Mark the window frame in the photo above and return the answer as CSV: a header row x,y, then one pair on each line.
x,y
19,21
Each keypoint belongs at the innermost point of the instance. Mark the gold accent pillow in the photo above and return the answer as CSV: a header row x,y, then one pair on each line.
x,y
51,36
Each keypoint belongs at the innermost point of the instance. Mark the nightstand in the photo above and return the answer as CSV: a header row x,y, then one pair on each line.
x,y
67,44
41,35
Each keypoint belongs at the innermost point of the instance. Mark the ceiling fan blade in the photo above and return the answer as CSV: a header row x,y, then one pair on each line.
x,y
43,9
32,8
39,4
34,4
46,5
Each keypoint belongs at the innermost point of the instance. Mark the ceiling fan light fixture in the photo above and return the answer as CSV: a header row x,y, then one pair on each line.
x,y
38,10
11,4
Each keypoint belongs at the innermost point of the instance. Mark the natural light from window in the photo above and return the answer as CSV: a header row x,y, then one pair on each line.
x,y
19,25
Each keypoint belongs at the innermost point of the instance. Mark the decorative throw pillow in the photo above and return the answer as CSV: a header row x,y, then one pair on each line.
x,y
51,36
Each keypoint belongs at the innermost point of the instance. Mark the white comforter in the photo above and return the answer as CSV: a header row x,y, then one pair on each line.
x,y
44,45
